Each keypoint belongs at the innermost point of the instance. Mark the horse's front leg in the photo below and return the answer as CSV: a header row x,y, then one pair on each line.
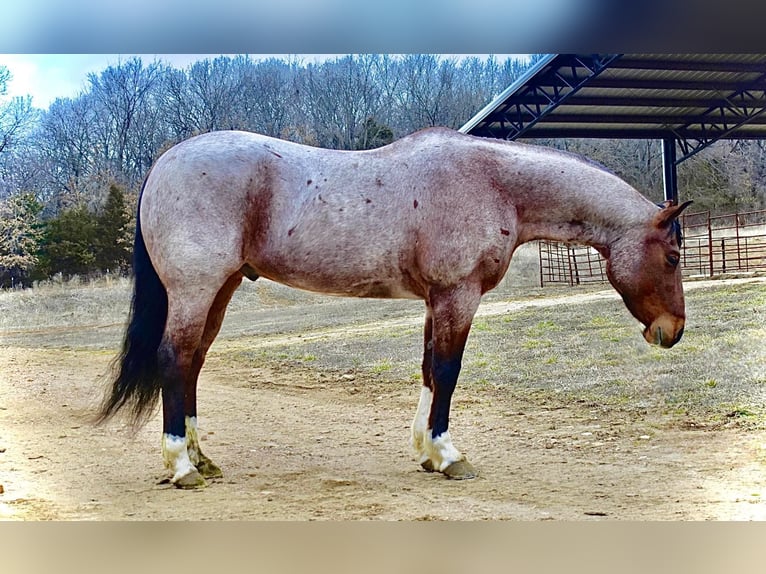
x,y
448,321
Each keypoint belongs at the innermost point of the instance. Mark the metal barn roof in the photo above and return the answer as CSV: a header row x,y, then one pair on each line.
x,y
692,99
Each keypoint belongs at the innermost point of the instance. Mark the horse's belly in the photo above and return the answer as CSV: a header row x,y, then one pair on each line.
x,y
360,272
369,289
349,256
345,280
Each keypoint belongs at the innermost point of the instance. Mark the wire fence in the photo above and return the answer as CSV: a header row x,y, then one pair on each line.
x,y
713,245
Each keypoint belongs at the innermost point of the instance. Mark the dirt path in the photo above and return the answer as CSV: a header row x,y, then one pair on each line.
x,y
303,444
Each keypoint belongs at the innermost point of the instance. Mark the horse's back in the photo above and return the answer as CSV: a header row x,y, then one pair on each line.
x,y
382,223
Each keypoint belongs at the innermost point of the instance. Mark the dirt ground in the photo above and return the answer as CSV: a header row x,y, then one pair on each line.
x,y
314,442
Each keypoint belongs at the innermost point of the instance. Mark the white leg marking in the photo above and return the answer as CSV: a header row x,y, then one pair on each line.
x,y
440,450
176,456
420,434
192,439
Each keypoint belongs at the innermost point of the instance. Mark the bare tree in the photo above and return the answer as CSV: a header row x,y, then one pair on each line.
x,y
726,177
5,78
425,90
214,90
119,93
17,117
175,106
67,149
269,94
339,97
17,120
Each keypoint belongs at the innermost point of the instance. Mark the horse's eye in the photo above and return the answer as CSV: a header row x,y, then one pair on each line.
x,y
673,260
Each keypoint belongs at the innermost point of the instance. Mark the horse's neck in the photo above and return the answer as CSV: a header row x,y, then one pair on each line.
x,y
584,205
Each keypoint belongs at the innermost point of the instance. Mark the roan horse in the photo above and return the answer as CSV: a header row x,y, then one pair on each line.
x,y
435,216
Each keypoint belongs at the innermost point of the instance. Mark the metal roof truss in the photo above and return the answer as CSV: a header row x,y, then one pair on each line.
x,y
695,99
737,109
547,90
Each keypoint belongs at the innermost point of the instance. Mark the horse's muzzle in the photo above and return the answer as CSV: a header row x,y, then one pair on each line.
x,y
665,331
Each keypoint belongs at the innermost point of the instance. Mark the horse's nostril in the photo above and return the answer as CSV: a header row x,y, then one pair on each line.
x,y
678,335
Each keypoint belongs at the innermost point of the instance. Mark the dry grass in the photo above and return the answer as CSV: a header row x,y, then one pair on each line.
x,y
65,303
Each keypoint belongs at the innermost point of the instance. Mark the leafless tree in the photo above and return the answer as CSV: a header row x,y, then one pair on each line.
x,y
66,147
339,97
269,95
119,94
17,120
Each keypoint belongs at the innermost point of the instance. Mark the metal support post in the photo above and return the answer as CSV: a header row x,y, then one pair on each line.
x,y
669,165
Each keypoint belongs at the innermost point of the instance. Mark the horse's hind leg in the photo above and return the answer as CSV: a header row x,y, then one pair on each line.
x,y
181,356
206,467
176,353
448,322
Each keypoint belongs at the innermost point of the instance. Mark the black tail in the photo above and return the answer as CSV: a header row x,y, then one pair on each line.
x,y
136,380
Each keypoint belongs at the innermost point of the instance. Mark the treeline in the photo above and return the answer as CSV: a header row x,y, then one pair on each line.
x,y
70,175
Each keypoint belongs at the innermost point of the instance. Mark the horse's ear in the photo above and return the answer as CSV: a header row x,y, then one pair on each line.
x,y
669,212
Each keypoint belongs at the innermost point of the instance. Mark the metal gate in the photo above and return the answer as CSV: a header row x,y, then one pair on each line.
x,y
570,264
724,244
713,245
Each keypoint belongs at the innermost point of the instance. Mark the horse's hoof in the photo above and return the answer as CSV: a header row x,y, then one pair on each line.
x,y
427,465
460,470
190,481
208,469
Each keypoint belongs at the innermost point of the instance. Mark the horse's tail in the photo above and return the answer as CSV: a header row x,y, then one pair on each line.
x,y
136,381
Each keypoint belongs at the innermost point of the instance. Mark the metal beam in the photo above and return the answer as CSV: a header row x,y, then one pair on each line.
x,y
714,84
633,101
639,118
669,172
687,65
619,132
719,121
562,77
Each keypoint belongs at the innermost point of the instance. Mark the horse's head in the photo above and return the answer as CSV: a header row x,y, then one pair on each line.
x,y
643,266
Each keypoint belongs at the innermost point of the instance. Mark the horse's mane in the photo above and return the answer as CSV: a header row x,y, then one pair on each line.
x,y
676,228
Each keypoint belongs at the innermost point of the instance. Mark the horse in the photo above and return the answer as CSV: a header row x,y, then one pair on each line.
x,y
434,216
